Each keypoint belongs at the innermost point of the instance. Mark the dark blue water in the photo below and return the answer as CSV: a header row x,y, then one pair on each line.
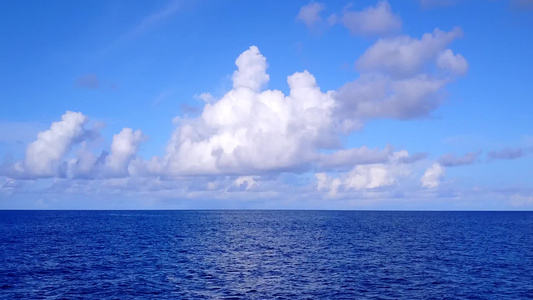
x,y
265,255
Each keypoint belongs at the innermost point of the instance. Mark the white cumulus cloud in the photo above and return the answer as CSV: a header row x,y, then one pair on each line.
x,y
44,156
251,72
432,177
123,150
48,156
252,132
249,130
367,176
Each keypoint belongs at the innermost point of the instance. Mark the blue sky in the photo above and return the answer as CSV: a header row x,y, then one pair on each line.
x,y
311,105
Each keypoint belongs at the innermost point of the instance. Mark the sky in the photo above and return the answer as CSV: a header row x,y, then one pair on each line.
x,y
373,105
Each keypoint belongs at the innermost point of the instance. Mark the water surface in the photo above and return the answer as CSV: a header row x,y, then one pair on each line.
x,y
265,254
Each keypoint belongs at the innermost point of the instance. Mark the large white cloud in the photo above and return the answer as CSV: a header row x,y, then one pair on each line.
x,y
44,156
251,133
249,130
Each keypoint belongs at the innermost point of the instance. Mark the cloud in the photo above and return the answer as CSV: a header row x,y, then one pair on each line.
x,y
366,176
324,182
47,157
253,134
450,160
404,55
401,78
149,22
436,3
163,96
85,163
251,72
456,64
310,14
518,200
522,4
432,177
252,131
247,181
412,158
8,185
88,81
375,96
509,153
189,109
373,20
347,158
43,157
123,150
206,97
378,20
370,177
155,18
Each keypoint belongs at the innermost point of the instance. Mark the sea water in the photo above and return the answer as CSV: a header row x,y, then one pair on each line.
x,y
265,255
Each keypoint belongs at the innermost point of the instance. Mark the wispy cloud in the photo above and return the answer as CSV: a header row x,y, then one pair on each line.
x,y
510,153
521,4
451,160
436,3
88,81
145,25
152,20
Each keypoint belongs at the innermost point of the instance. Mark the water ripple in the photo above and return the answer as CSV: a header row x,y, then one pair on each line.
x,y
265,255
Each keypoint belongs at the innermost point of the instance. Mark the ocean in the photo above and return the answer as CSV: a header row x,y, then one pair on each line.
x,y
265,255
